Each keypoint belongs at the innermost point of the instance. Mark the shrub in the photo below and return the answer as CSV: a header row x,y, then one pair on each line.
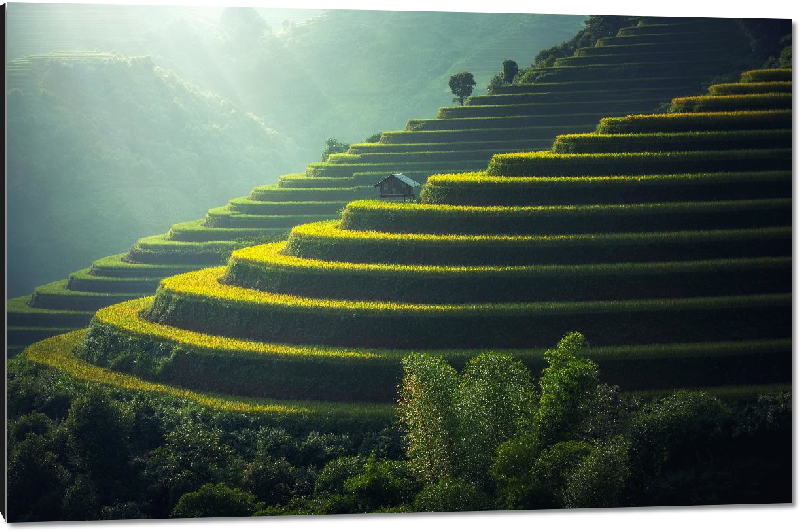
x,y
530,476
332,478
333,146
668,429
215,500
382,483
451,495
600,478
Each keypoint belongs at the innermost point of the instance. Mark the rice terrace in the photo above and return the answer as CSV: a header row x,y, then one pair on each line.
x,y
580,297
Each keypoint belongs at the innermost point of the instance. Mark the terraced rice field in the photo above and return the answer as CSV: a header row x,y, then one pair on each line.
x,y
567,99
674,262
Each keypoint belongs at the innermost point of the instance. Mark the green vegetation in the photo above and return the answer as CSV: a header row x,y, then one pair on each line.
x,y
179,149
480,189
461,86
333,146
79,448
570,441
596,27
688,141
549,164
700,121
674,261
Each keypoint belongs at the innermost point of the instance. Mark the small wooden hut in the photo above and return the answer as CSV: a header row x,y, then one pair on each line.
x,y
397,185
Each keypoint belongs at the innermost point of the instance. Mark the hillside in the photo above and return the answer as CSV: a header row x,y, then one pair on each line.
x,y
348,74
337,73
516,117
102,148
664,238
588,305
253,64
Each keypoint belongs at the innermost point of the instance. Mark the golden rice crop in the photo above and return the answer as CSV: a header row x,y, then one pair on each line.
x,y
57,352
125,316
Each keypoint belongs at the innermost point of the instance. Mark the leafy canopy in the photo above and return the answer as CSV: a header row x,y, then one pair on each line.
x,y
461,86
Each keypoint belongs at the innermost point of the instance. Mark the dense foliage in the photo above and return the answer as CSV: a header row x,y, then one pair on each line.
x,y
596,27
461,86
505,77
333,146
80,451
488,438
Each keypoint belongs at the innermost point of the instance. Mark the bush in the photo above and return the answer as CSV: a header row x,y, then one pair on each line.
x,y
600,478
426,409
215,500
99,428
333,146
451,495
568,384
382,484
332,478
670,428
530,476
270,480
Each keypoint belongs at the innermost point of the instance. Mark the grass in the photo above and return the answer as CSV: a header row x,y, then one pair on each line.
x,y
248,365
684,141
732,102
699,121
764,87
550,164
56,296
273,193
117,266
57,352
20,313
482,189
85,280
767,75
266,268
539,109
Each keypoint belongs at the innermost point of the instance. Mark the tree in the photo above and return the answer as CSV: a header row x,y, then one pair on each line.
x,y
426,410
568,385
505,77
510,70
455,424
99,429
371,139
461,85
333,146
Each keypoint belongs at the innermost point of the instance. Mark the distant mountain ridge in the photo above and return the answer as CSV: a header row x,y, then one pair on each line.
x,y
102,147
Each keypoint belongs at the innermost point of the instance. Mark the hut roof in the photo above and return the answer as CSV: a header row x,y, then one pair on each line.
x,y
407,180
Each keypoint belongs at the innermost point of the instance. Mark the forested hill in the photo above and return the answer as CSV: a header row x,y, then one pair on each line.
x,y
309,74
356,71
103,148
